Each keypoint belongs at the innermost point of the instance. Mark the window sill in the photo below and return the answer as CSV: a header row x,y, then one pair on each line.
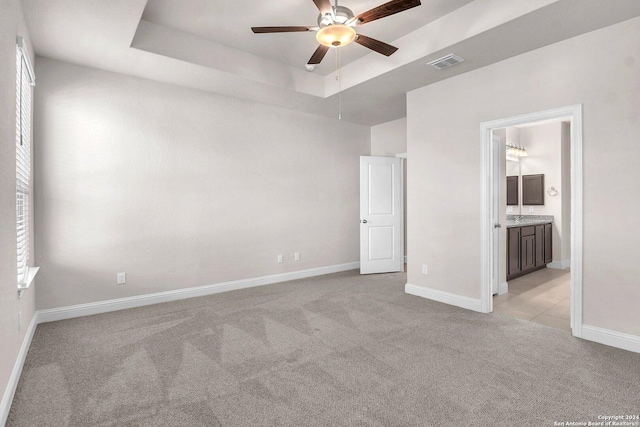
x,y
31,275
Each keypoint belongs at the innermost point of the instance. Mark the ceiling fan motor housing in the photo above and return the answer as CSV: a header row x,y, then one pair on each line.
x,y
340,15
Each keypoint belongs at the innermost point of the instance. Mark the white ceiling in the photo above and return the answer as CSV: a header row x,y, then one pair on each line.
x,y
208,45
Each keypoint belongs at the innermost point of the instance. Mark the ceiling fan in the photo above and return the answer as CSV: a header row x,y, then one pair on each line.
x,y
336,27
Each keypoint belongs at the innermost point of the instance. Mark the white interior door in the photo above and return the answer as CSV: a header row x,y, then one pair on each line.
x,y
496,211
381,215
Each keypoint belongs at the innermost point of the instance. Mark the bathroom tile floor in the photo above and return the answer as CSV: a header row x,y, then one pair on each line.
x,y
543,296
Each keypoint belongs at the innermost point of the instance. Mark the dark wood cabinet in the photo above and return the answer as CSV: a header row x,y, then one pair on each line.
x,y
548,251
512,191
528,249
533,189
513,251
540,246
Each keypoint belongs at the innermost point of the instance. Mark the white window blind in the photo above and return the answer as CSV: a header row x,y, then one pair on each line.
x,y
24,80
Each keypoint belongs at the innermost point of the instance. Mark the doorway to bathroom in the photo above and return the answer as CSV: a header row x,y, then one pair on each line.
x,y
532,217
535,194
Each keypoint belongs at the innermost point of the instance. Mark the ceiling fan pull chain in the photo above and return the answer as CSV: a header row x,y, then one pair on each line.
x,y
339,79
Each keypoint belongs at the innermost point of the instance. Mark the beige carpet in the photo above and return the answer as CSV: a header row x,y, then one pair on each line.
x,y
338,350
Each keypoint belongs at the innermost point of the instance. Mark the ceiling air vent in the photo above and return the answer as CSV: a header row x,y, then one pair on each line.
x,y
445,61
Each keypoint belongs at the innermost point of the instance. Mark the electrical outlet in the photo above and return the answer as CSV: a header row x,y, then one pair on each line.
x,y
122,278
279,259
425,269
531,210
297,256
509,209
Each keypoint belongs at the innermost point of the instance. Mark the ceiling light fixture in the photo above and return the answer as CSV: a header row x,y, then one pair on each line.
x,y
336,27
336,35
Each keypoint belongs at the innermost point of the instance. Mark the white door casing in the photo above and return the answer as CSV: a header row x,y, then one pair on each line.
x,y
381,215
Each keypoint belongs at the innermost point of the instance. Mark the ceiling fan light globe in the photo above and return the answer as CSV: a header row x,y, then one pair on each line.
x,y
336,35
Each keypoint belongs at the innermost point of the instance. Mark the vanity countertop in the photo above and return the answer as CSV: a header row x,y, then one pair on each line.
x,y
524,220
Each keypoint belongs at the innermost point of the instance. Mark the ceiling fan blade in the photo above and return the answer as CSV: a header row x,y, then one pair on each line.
x,y
261,30
324,6
376,45
387,9
318,55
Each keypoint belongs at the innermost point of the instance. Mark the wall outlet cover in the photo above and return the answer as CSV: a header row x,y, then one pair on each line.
x,y
122,278
425,269
297,255
531,210
279,259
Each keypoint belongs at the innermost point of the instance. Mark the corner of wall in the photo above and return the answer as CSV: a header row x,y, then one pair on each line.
x,y
12,385
18,318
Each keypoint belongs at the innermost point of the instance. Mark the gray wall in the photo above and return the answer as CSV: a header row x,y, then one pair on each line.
x,y
443,130
389,139
11,26
179,188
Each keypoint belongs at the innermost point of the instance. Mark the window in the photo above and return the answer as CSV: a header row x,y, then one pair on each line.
x,y
24,81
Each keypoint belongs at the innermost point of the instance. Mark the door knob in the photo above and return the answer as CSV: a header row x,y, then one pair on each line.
x,y
364,221
497,226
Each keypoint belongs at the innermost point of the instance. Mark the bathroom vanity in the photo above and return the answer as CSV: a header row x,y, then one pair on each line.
x,y
529,244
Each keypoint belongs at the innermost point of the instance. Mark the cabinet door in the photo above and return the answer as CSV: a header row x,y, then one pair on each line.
x,y
512,191
548,247
539,246
533,189
513,251
527,252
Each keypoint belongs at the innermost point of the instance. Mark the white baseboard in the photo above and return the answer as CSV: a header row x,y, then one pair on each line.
x,y
70,312
560,265
503,288
445,297
10,391
611,338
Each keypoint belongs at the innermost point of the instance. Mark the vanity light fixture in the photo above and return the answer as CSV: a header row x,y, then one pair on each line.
x,y
514,151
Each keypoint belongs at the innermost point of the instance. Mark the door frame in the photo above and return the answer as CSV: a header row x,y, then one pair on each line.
x,y
490,176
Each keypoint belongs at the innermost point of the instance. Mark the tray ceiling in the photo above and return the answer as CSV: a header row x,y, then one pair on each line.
x,y
229,23
208,45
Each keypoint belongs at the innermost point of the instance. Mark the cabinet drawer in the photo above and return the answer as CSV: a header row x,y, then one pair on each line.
x,y
528,231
